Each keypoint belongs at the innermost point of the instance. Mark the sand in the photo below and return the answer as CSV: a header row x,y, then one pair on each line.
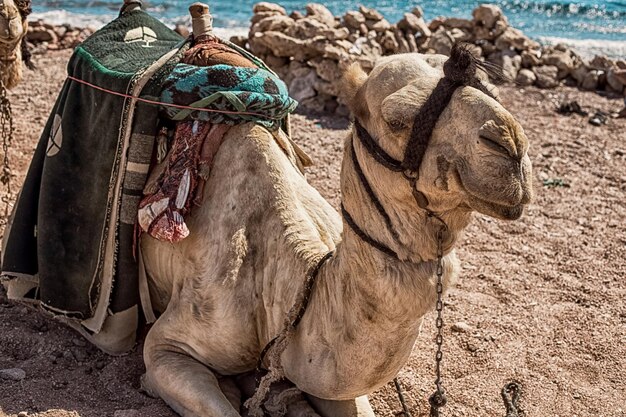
x,y
542,298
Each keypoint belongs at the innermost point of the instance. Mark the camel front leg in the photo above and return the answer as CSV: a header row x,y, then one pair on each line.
x,y
187,386
359,407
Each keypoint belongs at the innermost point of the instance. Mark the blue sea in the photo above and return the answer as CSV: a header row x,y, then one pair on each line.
x,y
590,27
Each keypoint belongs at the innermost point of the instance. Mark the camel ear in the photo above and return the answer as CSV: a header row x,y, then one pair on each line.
x,y
352,92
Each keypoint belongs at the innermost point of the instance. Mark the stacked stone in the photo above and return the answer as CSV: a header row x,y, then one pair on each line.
x,y
43,36
309,51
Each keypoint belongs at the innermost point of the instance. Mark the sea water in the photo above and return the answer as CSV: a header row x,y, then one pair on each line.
x,y
591,27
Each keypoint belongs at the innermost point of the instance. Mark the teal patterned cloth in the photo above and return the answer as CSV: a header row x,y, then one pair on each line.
x,y
232,95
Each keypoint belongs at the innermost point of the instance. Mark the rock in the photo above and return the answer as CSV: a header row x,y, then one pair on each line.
x,y
513,38
486,15
269,7
461,327
307,28
328,88
613,81
441,42
282,45
601,62
379,26
296,15
182,30
410,39
525,77
256,18
579,73
275,22
562,60
240,41
460,35
481,32
417,11
326,69
616,78
389,43
353,19
337,50
41,34
126,413
530,58
12,374
546,76
621,64
591,81
371,14
511,66
436,23
403,45
457,23
321,13
410,22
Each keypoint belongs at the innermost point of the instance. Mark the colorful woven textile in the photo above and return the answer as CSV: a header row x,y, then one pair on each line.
x,y
231,94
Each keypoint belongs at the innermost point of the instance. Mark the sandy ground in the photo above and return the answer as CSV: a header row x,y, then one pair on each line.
x,y
543,298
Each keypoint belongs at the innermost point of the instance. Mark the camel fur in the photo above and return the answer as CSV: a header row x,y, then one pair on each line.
x,y
225,291
13,28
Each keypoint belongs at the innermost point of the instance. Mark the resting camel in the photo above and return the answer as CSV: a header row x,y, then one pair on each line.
x,y
13,26
226,290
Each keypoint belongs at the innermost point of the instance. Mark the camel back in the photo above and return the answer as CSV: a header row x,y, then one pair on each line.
x,y
70,244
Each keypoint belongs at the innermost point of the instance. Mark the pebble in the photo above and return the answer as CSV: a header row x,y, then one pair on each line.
x,y
79,342
22,414
13,374
461,327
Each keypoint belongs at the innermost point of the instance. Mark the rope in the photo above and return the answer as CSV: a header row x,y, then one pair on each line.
x,y
6,131
160,103
364,236
372,194
375,150
280,341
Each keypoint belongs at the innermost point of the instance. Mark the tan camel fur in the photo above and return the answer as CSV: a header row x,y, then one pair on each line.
x,y
13,27
225,291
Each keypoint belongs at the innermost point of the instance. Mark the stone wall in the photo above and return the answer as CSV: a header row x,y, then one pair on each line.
x,y
310,50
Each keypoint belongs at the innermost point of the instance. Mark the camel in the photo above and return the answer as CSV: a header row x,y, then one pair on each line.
x,y
226,290
13,27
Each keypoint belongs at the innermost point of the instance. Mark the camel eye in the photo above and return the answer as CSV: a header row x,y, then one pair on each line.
x,y
397,125
492,144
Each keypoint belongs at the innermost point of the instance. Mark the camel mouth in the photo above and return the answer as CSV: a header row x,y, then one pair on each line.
x,y
491,208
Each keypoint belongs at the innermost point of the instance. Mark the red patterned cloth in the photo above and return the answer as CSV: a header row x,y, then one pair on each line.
x,y
181,181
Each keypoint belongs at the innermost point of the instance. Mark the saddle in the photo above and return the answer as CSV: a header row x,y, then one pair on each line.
x,y
110,164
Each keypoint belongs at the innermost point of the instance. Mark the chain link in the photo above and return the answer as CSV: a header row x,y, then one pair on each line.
x,y
6,131
438,399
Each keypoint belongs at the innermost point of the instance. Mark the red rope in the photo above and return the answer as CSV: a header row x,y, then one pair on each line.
x,y
178,106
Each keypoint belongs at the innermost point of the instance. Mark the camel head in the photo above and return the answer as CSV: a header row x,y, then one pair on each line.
x,y
476,158
13,27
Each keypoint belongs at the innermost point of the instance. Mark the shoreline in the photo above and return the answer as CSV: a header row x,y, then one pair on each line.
x,y
586,47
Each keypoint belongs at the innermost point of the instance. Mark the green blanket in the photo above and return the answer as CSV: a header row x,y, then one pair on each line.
x,y
69,246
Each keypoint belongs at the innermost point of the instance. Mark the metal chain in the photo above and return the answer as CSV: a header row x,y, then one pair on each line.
x,y
438,399
6,131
